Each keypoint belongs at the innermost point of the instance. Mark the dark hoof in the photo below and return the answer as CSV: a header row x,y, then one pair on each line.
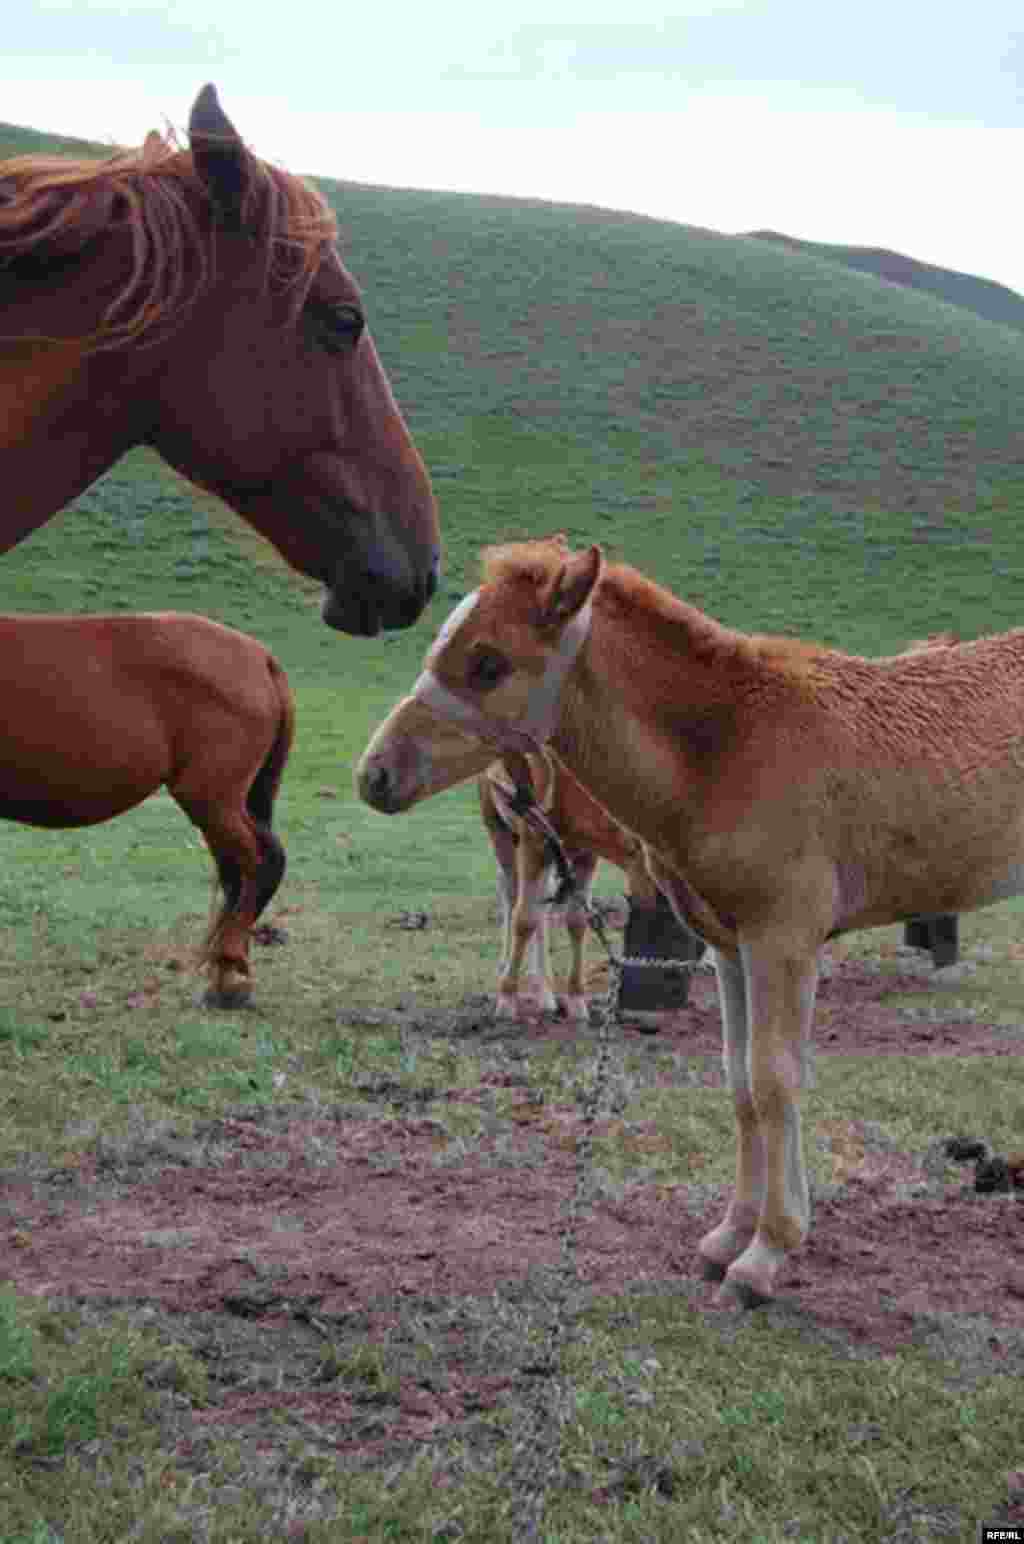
x,y
710,1270
227,1002
740,1294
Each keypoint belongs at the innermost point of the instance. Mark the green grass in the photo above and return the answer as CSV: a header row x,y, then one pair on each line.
x,y
792,447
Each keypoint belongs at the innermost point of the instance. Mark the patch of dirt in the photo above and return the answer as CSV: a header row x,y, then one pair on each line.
x,y
276,1241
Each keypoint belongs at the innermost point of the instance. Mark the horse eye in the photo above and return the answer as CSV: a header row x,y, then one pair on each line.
x,y
487,670
348,322
338,327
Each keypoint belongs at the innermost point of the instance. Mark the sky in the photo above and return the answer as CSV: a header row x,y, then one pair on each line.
x,y
895,123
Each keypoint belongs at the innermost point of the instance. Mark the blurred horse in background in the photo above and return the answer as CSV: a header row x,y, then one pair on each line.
x,y
525,868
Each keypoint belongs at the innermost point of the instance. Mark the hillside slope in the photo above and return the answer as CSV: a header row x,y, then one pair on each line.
x,y
986,298
789,442
794,374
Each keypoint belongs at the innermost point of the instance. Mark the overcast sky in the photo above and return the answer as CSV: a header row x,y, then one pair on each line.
x,y
895,123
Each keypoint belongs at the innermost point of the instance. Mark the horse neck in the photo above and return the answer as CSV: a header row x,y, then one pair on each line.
x,y
66,415
53,440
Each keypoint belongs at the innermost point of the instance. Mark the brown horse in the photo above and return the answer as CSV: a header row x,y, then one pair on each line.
x,y
194,300
525,868
787,792
100,711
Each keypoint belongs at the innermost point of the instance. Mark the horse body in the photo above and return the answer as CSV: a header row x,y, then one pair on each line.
x,y
787,792
195,301
587,833
100,711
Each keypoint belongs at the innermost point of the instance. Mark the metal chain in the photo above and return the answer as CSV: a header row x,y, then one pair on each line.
x,y
618,962
535,1468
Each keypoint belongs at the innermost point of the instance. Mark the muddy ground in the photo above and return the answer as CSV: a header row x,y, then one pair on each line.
x,y
277,1240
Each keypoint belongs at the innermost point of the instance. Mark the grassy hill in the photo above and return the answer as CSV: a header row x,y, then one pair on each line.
x,y
791,444
995,302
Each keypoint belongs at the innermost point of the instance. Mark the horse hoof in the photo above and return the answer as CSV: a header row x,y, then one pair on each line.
x,y
740,1294
227,1000
710,1270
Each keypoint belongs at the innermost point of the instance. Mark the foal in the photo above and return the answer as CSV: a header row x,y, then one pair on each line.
x,y
100,711
789,791
525,867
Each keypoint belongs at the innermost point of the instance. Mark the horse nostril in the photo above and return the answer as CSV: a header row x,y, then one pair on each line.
x,y
377,785
434,575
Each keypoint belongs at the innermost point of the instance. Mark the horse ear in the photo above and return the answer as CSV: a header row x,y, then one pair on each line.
x,y
572,586
219,156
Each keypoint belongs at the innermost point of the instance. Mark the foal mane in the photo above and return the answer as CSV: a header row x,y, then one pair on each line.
x,y
52,207
774,661
621,589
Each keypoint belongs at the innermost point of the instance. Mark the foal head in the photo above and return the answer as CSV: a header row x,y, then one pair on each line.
x,y
493,677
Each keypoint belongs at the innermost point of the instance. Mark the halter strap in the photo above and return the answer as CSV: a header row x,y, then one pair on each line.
x,y
537,724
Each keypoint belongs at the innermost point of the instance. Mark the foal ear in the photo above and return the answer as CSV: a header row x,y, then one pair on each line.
x,y
219,156
572,586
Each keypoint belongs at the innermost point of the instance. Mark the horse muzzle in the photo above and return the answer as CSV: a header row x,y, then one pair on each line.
x,y
380,592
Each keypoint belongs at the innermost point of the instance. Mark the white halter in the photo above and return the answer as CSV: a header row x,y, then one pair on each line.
x,y
537,724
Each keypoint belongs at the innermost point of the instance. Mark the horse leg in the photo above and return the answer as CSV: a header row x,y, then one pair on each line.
x,y
725,1243
585,865
528,935
250,864
781,984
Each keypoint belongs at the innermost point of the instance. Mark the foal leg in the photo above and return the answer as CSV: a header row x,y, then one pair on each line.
x,y
781,986
585,865
504,844
528,936
719,1248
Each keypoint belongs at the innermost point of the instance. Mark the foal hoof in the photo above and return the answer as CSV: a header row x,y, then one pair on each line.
x,y
710,1270
739,1294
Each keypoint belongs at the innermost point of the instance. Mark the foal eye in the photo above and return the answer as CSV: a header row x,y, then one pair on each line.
x,y
486,670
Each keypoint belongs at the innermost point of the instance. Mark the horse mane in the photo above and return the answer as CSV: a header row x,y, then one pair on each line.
x,y
53,207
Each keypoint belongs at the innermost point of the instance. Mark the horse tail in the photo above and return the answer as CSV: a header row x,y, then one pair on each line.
x,y
259,801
